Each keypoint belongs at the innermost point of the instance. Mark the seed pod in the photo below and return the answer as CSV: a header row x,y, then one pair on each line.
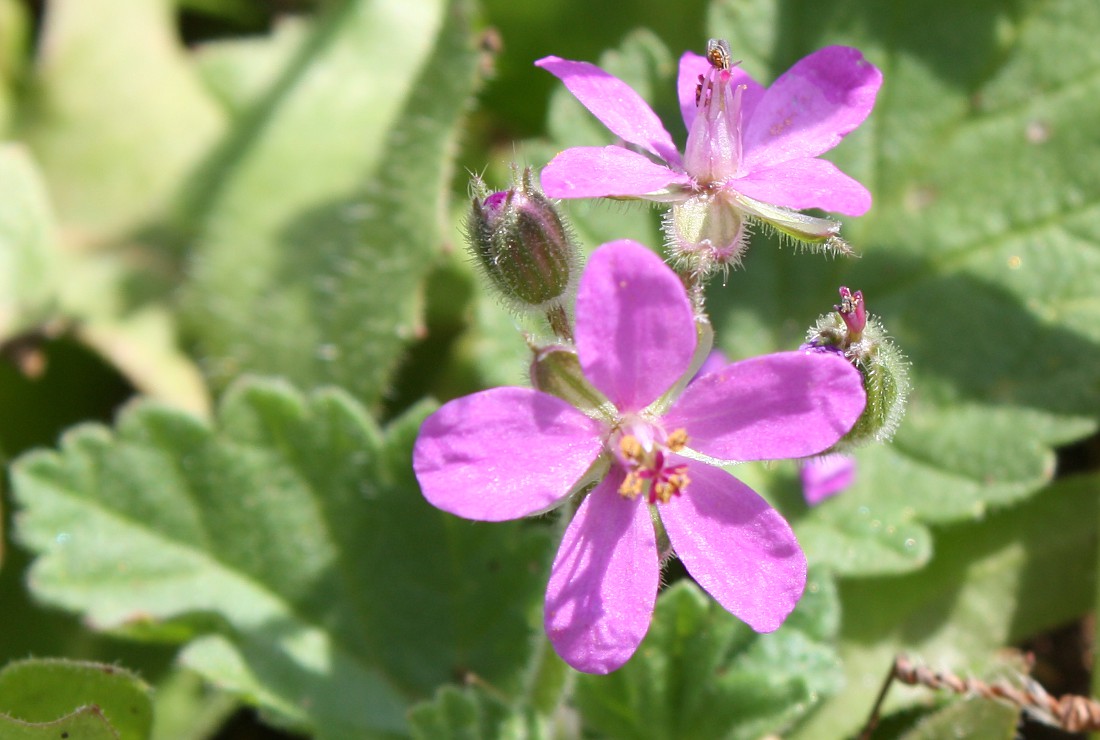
x,y
861,338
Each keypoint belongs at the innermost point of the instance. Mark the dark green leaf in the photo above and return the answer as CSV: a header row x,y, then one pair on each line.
x,y
86,723
990,583
471,714
701,672
979,253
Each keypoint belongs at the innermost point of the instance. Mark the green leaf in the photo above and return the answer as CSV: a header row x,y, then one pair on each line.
x,y
14,35
28,263
701,672
975,719
240,71
472,713
48,287
43,690
291,543
185,708
990,584
325,210
980,253
86,723
116,115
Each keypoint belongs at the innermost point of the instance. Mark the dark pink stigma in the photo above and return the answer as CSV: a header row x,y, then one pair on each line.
x,y
853,311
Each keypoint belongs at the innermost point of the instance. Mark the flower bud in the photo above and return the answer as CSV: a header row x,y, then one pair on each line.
x,y
557,371
860,337
522,245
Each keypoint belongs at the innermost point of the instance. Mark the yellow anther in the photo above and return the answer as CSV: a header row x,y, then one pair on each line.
x,y
632,487
631,447
677,440
663,492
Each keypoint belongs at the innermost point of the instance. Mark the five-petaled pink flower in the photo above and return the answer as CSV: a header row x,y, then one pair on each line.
x,y
752,152
507,453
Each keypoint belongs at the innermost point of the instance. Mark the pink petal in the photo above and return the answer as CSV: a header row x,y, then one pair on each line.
x,y
635,329
824,477
736,546
691,66
607,172
811,107
603,584
805,183
789,404
616,105
503,453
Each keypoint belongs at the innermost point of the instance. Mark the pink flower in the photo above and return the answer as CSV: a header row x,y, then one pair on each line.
x,y
751,152
507,453
824,477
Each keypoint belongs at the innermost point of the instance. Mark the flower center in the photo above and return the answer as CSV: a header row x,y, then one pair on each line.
x,y
713,151
647,469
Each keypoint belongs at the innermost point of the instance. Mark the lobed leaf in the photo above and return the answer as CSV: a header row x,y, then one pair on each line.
x,y
290,544
46,691
700,672
980,253
990,583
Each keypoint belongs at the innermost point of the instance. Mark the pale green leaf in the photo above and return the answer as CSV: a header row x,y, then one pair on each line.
x,y
974,719
324,212
28,261
186,708
116,115
240,71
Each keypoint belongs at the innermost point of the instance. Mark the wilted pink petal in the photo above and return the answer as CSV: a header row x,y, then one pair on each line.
x,y
603,583
607,172
503,453
824,477
811,107
616,105
807,183
737,547
789,404
635,329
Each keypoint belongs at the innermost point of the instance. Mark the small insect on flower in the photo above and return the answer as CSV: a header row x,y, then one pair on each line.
x,y
720,57
719,54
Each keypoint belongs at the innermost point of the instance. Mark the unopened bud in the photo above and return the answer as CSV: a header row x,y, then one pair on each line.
x,y
522,245
557,370
851,331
